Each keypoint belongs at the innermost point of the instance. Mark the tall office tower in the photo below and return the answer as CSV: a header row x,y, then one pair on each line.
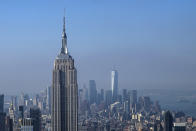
x,y
120,98
92,92
21,112
168,121
25,99
80,94
15,103
35,100
2,121
114,85
133,98
99,99
11,112
2,114
64,91
102,94
1,103
22,101
35,115
85,89
80,99
8,123
145,102
126,107
108,97
48,97
124,95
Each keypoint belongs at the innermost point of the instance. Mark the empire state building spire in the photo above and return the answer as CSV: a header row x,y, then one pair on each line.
x,y
64,39
64,91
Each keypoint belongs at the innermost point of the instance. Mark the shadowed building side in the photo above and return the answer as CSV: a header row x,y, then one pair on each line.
x,y
168,121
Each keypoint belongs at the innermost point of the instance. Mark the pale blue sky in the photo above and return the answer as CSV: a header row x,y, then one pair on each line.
x,y
152,43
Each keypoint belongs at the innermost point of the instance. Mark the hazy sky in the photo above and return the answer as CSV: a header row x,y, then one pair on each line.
x,y
152,43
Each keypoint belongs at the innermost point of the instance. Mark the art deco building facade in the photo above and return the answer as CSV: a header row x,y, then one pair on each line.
x,y
64,91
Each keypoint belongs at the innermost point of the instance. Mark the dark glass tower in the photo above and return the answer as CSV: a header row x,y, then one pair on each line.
x,y
1,103
21,112
35,115
168,121
64,91
2,114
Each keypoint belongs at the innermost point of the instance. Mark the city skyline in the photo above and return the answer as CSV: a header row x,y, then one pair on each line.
x,y
154,39
98,65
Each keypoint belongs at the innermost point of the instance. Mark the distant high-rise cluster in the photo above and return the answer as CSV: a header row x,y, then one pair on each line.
x,y
116,109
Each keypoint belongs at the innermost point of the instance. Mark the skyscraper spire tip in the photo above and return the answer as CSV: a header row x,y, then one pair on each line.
x,y
64,38
64,21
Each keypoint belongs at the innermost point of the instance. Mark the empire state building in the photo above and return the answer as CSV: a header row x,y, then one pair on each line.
x,y
64,90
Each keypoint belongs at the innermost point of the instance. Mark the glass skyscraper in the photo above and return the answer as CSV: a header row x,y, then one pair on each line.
x,y
114,85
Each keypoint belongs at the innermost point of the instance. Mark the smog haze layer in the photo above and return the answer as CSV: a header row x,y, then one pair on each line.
x,y
151,43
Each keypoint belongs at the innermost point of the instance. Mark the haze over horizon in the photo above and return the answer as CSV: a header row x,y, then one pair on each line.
x,y
151,43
